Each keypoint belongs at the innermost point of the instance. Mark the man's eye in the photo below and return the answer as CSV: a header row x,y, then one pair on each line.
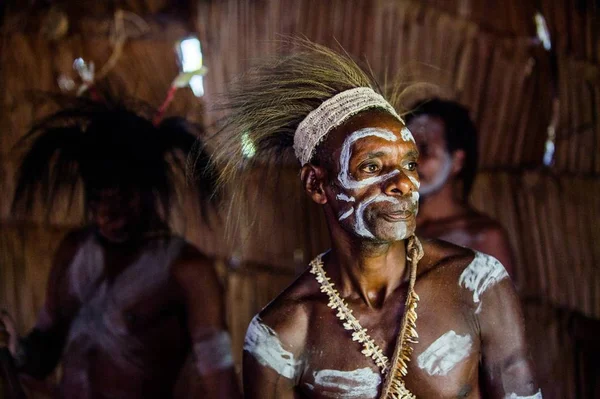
x,y
370,168
412,166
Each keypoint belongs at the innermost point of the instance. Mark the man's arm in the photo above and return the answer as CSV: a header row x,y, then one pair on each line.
x,y
494,241
212,362
507,367
39,352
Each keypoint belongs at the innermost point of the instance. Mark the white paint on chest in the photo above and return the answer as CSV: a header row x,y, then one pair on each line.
x,y
360,383
538,395
214,353
482,273
263,343
445,353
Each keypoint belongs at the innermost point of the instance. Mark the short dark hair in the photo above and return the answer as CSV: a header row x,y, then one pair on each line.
x,y
461,133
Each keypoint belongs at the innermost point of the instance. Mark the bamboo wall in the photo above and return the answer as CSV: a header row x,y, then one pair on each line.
x,y
482,53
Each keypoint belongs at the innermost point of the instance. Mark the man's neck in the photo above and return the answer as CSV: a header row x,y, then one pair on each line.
x,y
443,204
370,271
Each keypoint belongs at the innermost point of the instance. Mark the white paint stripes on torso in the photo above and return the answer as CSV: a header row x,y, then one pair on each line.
x,y
481,274
356,384
445,353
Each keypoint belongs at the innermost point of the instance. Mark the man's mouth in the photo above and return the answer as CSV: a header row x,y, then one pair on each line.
x,y
397,216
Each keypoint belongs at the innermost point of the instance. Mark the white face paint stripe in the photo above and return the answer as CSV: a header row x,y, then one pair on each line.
x,y
344,176
414,181
406,134
346,214
344,197
213,354
482,273
360,383
538,395
440,178
359,225
262,343
445,353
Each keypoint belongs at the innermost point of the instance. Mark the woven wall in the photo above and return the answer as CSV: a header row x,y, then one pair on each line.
x,y
482,53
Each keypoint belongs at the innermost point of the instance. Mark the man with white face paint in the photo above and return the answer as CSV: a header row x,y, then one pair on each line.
x,y
350,327
447,142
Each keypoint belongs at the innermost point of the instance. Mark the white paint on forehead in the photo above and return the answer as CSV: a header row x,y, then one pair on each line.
x,y
360,383
445,353
344,197
344,177
214,353
513,395
406,134
415,182
262,343
346,214
482,273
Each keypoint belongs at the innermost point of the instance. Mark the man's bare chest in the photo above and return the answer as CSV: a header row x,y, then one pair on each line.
x,y
444,363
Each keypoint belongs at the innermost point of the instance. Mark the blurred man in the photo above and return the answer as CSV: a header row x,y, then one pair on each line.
x,y
348,326
129,306
447,141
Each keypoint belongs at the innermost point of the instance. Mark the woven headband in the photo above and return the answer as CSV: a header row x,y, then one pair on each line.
x,y
333,113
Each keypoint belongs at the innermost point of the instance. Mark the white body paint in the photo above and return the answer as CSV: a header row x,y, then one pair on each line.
x,y
348,182
482,273
213,354
262,343
538,395
414,181
406,134
360,383
440,178
445,353
101,324
344,176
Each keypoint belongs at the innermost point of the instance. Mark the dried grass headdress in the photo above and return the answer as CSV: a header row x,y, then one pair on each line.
x,y
108,143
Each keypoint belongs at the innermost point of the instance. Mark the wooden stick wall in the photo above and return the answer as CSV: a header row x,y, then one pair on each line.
x,y
482,53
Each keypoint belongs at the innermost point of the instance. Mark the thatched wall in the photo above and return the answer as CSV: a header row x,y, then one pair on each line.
x,y
482,53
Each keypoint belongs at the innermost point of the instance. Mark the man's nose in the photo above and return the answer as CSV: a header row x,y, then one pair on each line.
x,y
399,185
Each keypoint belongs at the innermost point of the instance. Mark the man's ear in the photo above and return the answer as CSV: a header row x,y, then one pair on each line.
x,y
313,180
458,161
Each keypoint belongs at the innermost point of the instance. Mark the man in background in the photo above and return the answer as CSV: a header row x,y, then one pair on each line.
x,y
447,142
130,307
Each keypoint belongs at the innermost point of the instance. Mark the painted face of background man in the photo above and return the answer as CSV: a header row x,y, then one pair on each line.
x,y
435,162
375,189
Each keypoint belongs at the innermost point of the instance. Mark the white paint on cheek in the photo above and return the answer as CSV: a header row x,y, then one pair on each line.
x,y
407,135
415,182
344,197
445,353
344,176
440,178
262,343
359,224
538,395
346,214
360,383
214,353
482,273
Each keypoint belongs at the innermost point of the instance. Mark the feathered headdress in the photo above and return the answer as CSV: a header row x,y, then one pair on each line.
x,y
267,111
109,143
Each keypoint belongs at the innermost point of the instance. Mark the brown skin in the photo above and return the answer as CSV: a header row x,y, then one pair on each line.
x,y
443,214
184,309
371,275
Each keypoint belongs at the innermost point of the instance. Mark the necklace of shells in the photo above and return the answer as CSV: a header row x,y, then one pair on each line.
x,y
394,387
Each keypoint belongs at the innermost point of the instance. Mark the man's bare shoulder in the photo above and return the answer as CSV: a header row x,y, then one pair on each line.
x,y
443,257
289,313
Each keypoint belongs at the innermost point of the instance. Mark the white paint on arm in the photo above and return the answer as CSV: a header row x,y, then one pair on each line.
x,y
213,354
264,345
445,353
482,273
360,383
513,395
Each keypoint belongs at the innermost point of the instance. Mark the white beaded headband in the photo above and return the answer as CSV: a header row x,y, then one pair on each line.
x,y
333,113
